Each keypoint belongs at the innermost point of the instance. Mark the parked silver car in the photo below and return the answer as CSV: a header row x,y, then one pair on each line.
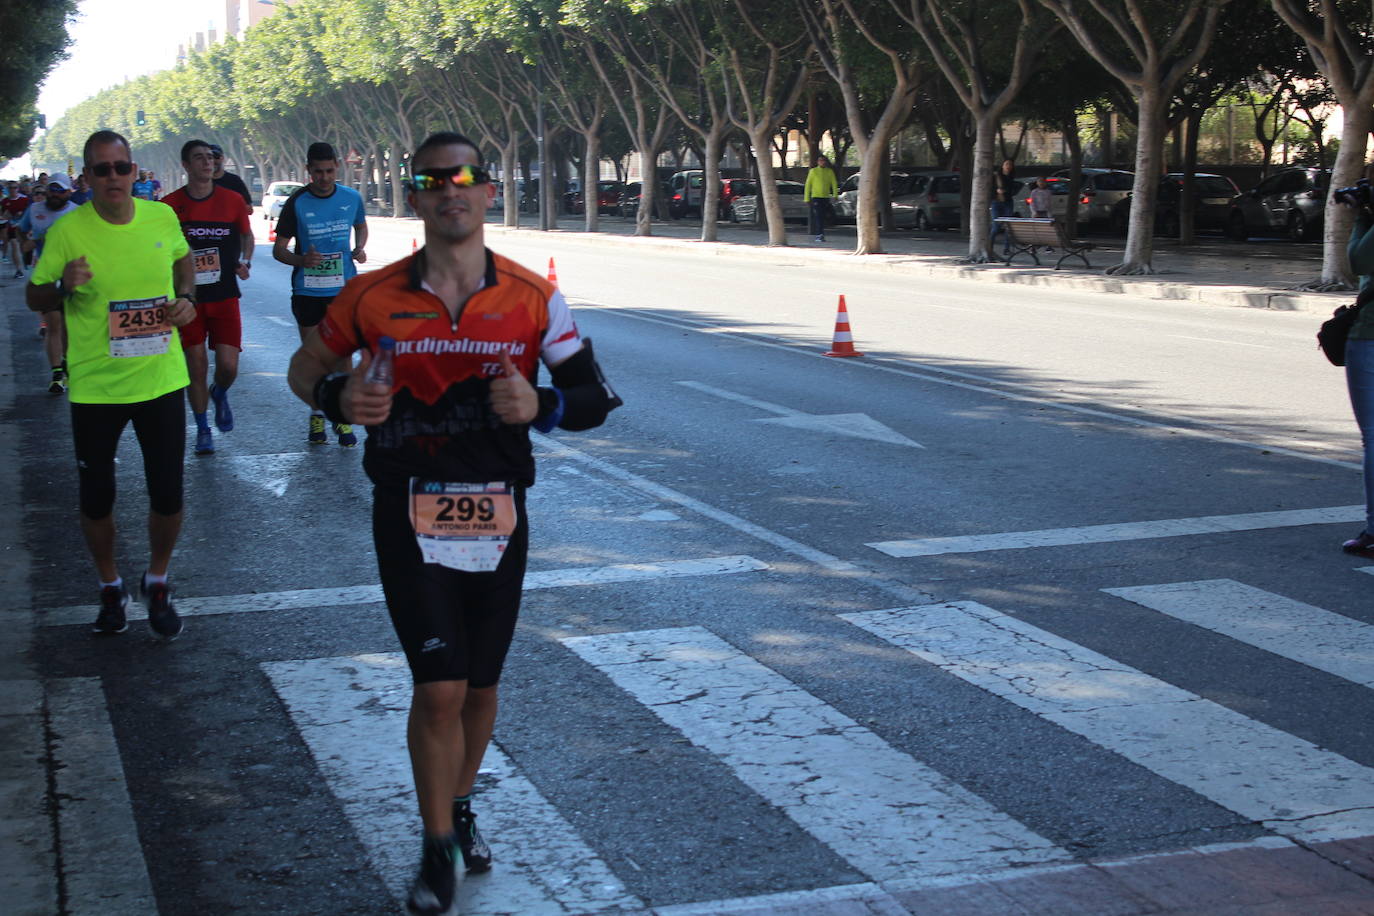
x,y
1102,190
749,208
903,188
1291,202
1059,198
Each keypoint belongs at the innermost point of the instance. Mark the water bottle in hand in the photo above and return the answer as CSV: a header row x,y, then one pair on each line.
x,y
382,371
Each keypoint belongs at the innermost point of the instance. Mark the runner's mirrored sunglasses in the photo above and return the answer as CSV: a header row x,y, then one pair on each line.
x,y
463,176
102,169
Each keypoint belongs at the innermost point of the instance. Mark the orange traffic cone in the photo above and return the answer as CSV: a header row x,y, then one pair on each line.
x,y
272,232
553,274
844,340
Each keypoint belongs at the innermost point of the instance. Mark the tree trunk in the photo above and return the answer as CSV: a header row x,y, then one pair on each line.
x,y
980,187
648,187
398,203
510,215
710,192
1148,151
866,220
1074,140
591,174
768,188
1187,203
1350,163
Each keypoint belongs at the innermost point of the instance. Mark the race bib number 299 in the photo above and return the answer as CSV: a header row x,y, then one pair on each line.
x,y
140,327
464,526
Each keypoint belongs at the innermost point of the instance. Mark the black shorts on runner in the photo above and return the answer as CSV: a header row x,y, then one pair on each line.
x,y
453,626
159,424
309,310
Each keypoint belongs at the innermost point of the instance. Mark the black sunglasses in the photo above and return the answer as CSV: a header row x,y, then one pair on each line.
x,y
464,176
103,169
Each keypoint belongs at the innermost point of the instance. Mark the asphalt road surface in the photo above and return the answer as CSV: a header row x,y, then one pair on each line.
x,y
1044,576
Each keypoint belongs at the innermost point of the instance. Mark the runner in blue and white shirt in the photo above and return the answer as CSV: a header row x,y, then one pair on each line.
x,y
321,217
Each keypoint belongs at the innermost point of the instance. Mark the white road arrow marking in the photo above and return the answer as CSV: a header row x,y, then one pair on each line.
x,y
271,472
858,425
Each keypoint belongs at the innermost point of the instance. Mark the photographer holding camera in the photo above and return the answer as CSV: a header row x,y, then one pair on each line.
x,y
1359,347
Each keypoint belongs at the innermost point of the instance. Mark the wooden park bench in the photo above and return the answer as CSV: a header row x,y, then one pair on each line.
x,y
1028,236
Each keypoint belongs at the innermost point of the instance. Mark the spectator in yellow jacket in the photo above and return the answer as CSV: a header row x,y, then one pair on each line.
x,y
820,190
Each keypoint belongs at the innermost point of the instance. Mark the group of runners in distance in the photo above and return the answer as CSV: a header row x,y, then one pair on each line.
x,y
141,287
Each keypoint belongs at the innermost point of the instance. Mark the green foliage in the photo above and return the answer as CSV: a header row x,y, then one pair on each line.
x,y
35,40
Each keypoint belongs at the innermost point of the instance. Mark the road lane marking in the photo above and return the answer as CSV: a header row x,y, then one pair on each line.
x,y
1224,343
1200,429
1123,531
859,425
1365,569
351,712
1300,632
884,812
644,485
278,320
1291,786
102,859
372,594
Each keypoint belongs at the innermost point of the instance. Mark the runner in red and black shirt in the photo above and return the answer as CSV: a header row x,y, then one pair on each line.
x,y
448,450
215,221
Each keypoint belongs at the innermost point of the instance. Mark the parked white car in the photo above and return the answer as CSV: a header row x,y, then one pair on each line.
x,y
749,208
277,193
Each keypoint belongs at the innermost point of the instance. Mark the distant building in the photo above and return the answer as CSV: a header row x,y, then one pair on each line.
x,y
238,17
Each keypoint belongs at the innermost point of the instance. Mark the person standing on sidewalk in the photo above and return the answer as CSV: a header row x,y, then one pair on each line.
x,y
449,454
1003,199
320,217
120,272
215,222
49,205
1359,363
818,193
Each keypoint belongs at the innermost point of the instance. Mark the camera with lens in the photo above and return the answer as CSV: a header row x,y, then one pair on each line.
x,y
1359,195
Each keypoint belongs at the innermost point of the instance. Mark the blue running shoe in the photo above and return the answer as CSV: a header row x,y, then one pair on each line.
x,y
347,438
205,443
224,415
317,436
114,599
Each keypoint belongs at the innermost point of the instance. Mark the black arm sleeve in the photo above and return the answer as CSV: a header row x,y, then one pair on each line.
x,y
587,398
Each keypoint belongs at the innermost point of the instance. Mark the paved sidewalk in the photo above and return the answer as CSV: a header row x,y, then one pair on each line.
x,y
1214,271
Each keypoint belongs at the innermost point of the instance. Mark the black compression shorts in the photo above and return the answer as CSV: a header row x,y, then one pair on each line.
x,y
159,424
309,310
453,625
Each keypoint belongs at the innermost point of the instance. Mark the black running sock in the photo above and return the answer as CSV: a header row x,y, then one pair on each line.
x,y
462,802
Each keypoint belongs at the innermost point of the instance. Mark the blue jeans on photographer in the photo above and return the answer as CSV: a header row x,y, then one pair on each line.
x,y
1000,208
819,213
1359,377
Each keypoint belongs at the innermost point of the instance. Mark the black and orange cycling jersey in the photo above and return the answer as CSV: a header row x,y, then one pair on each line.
x,y
441,425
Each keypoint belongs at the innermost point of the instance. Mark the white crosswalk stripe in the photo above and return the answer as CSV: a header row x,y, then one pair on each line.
x,y
352,714
1292,786
572,577
887,814
1315,637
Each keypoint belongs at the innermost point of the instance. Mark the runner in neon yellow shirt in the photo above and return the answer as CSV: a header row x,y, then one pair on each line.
x,y
121,273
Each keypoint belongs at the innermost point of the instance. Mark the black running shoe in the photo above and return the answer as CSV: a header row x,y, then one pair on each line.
x,y
432,894
162,616
111,620
476,852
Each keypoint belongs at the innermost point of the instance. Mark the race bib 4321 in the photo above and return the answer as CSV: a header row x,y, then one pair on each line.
x,y
328,274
